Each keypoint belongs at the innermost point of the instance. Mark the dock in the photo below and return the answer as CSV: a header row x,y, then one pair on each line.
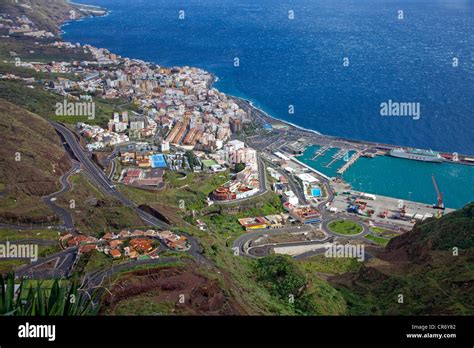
x,y
339,155
349,163
321,151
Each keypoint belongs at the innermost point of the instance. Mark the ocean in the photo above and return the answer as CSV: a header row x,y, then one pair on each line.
x,y
334,63
299,62
401,178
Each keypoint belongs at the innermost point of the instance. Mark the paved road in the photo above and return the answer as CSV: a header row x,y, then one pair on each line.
x,y
24,227
112,171
294,185
64,214
262,177
63,263
96,278
101,180
326,222
265,249
242,242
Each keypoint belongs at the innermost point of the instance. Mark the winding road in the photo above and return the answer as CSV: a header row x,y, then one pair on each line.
x,y
103,182
67,220
243,243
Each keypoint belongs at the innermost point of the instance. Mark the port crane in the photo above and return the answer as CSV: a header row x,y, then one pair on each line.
x,y
439,194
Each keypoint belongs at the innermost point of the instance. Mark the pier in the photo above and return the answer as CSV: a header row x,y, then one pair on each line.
x,y
340,154
321,151
349,163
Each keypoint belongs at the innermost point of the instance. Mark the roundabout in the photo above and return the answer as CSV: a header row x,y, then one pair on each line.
x,y
345,227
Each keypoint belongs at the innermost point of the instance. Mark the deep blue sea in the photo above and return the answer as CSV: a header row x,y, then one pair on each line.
x,y
299,62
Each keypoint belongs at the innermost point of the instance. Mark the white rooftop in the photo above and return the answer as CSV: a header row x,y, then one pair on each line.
x,y
307,177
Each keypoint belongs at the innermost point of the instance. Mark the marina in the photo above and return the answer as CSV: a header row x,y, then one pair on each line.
x,y
321,151
397,177
349,163
341,154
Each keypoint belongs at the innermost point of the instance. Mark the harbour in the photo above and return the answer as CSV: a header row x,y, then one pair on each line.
x,y
399,178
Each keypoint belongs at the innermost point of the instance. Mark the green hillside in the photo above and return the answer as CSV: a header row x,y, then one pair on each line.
x,y
432,267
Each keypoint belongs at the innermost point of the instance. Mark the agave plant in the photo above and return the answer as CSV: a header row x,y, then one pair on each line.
x,y
60,299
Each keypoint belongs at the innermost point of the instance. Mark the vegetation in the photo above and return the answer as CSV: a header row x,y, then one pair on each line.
x,y
333,265
35,99
192,159
435,280
346,227
378,240
33,161
42,234
239,167
439,282
46,17
222,221
287,280
44,251
95,213
193,190
452,230
141,305
377,230
61,298
381,232
7,266
96,260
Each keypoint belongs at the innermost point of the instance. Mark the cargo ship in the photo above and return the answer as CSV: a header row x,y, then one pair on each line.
x,y
417,155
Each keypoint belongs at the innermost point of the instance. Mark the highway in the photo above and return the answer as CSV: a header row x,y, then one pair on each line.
x,y
101,180
104,183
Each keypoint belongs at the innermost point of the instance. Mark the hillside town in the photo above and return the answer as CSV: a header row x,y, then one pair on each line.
x,y
134,245
175,120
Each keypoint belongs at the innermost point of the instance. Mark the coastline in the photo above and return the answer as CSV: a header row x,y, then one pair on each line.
x,y
277,119
310,168
270,118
